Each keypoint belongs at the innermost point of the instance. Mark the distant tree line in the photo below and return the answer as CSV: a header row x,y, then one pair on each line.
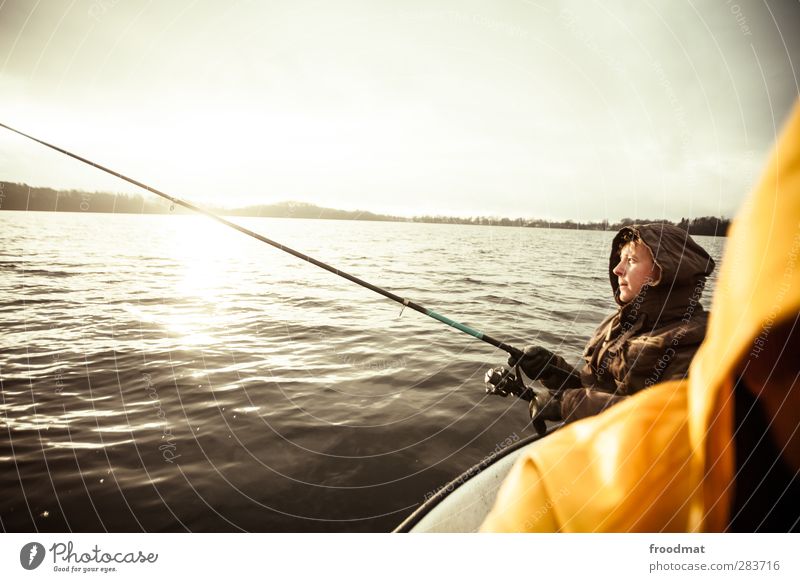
x,y
23,197
705,225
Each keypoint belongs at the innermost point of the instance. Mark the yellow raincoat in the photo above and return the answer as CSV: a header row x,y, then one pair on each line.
x,y
664,459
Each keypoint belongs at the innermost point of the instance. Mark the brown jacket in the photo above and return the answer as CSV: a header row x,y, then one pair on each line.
x,y
653,337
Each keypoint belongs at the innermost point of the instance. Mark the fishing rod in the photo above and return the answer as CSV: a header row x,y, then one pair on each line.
x,y
514,352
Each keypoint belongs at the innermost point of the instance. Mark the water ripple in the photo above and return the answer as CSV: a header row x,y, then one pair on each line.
x,y
164,371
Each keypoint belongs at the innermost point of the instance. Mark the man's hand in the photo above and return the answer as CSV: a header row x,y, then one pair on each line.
x,y
534,361
545,405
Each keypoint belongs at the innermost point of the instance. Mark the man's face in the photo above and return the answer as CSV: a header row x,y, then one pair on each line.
x,y
635,268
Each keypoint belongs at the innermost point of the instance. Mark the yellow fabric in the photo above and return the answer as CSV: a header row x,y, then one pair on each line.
x,y
663,460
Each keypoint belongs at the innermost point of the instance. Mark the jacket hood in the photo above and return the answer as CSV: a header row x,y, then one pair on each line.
x,y
683,262
758,288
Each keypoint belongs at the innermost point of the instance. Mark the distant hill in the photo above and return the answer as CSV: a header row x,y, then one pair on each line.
x,y
305,210
23,197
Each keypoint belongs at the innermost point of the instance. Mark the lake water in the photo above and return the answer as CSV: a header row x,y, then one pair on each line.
x,y
166,373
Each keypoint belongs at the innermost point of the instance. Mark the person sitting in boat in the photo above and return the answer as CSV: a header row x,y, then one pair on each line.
x,y
657,274
717,451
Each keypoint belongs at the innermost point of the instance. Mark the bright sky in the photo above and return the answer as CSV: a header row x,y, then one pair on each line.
x,y
565,110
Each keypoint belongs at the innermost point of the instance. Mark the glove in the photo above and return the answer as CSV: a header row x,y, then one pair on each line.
x,y
534,361
545,405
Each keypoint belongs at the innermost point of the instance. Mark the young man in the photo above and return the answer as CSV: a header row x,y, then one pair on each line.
x,y
657,275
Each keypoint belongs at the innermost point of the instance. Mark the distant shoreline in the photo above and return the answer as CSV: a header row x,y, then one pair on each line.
x,y
22,197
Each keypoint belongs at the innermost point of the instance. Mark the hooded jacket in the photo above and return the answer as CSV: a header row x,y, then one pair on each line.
x,y
653,337
666,458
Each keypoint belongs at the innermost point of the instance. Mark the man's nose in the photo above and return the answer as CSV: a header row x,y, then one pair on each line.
x,y
619,270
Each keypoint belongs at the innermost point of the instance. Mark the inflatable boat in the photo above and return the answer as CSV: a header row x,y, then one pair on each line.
x,y
462,504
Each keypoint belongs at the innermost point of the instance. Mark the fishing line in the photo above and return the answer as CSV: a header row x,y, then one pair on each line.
x,y
516,353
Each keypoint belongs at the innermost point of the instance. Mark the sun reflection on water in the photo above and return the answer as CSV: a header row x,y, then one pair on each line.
x,y
205,283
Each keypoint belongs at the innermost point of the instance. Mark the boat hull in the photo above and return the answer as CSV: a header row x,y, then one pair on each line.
x,y
463,504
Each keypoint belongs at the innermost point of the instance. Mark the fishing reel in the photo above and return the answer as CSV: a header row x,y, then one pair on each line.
x,y
501,381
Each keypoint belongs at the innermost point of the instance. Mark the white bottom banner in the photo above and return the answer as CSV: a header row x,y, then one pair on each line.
x,y
399,557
